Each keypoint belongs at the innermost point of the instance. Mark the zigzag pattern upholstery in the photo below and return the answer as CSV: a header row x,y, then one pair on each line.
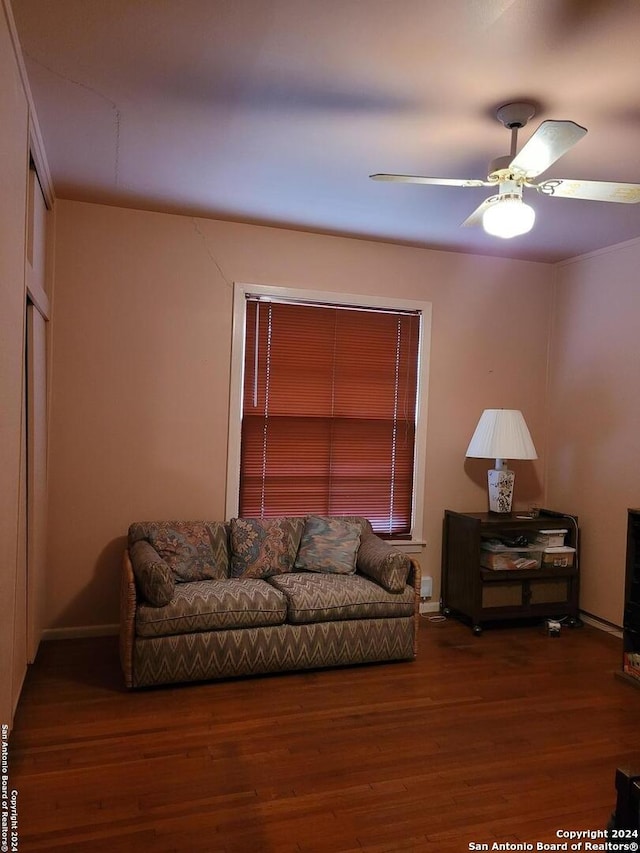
x,y
198,636
213,606
222,654
323,598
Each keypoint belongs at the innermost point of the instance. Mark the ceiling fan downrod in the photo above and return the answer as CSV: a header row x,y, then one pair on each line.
x,y
513,117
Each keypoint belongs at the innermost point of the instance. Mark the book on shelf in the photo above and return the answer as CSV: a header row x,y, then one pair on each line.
x,y
631,663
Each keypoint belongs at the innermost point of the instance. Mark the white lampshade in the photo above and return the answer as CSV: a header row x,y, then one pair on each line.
x,y
508,217
501,434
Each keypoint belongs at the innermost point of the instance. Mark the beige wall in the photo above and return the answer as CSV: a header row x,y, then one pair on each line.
x,y
141,362
594,414
13,180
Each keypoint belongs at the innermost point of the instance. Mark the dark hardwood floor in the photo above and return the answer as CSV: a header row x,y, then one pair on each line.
x,y
508,737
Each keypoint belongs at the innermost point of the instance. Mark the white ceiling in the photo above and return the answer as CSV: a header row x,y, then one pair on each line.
x,y
276,111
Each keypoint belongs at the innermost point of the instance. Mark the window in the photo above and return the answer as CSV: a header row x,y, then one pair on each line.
x,y
328,394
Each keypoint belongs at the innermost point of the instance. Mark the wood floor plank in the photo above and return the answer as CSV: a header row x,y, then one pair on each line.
x,y
508,737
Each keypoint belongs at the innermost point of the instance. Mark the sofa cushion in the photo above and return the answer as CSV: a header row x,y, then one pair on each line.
x,y
261,547
327,597
154,578
329,544
213,606
382,562
193,550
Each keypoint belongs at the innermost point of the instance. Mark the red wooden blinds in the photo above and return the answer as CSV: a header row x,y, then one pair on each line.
x,y
329,404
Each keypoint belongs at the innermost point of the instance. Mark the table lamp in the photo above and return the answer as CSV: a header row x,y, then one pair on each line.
x,y
501,434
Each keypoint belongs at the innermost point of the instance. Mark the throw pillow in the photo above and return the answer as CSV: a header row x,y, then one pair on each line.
x,y
383,563
193,550
261,547
153,576
329,544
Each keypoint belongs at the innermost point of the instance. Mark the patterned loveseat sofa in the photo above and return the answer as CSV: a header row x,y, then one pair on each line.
x,y
203,600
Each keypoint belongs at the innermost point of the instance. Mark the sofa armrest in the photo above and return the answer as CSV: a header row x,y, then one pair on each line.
x,y
393,570
128,604
153,577
414,580
415,575
383,563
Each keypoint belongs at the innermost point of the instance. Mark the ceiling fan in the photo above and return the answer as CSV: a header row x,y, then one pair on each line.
x,y
506,214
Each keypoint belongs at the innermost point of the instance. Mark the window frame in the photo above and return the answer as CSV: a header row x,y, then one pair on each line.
x,y
240,292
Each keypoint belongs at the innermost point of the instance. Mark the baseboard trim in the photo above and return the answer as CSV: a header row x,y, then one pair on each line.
x,y
79,632
601,624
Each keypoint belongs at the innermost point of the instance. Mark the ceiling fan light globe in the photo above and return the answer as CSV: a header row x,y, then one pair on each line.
x,y
508,217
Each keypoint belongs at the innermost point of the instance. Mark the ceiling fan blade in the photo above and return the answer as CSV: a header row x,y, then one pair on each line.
x,y
417,179
475,218
591,190
550,141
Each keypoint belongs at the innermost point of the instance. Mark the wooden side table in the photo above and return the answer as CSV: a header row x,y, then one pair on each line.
x,y
480,595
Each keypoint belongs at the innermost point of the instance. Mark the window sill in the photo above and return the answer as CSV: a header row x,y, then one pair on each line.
x,y
408,546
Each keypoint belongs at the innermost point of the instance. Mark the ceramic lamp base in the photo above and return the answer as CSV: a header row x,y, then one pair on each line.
x,y
500,489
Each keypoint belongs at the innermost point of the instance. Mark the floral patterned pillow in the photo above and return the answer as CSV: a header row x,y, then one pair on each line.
x,y
261,547
193,550
329,544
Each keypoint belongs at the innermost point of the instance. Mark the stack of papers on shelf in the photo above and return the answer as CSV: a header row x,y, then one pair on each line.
x,y
494,555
